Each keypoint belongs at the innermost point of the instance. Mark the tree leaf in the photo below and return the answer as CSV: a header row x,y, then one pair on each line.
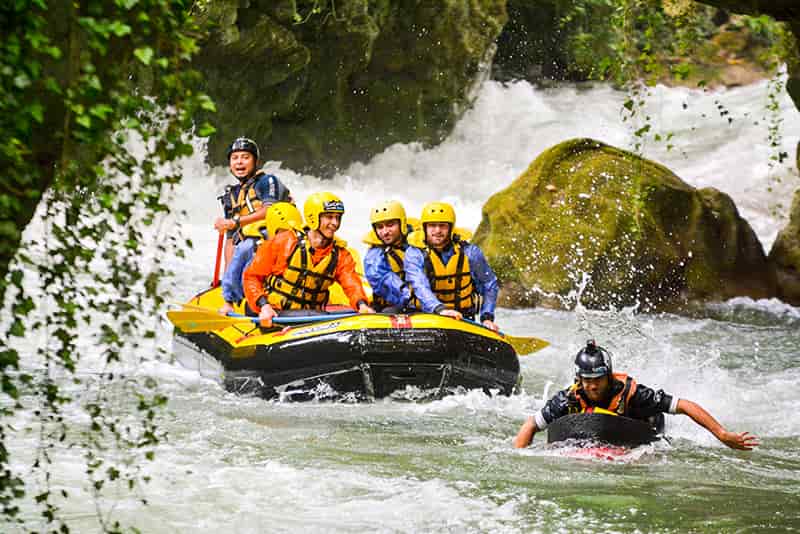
x,y
144,54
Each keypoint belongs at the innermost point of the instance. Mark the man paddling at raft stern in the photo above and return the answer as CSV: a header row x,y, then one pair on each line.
x,y
597,386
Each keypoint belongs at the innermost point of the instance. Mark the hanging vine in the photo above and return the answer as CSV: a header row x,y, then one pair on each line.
x,y
80,82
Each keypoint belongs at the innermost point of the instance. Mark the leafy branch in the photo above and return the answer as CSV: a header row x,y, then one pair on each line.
x,y
81,83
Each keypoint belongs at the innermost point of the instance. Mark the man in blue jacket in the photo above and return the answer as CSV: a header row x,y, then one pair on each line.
x,y
383,264
449,275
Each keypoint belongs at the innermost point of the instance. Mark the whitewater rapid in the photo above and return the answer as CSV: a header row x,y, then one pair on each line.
x,y
240,464
511,124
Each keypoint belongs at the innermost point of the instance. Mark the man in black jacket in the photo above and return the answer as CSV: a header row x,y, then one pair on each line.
x,y
597,386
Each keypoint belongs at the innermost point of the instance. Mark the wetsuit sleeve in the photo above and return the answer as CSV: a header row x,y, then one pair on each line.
x,y
384,281
414,266
269,189
646,402
255,274
484,279
347,277
557,406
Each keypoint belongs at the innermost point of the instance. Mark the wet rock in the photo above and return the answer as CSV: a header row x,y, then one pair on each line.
x,y
321,85
626,228
785,254
783,10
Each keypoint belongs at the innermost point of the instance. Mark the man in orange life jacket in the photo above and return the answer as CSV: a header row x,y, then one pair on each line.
x,y
293,270
597,386
247,201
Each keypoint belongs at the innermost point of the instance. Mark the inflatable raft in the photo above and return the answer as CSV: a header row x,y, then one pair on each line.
x,y
362,357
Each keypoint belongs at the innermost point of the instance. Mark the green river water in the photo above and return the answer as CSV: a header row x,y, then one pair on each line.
x,y
243,465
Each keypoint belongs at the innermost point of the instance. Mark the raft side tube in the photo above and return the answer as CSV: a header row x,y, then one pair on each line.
x,y
371,362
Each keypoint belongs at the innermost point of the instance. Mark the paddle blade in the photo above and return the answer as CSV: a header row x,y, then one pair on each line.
x,y
196,321
526,345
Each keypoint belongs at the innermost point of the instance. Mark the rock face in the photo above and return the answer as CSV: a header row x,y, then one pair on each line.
x,y
625,228
785,254
784,10
323,84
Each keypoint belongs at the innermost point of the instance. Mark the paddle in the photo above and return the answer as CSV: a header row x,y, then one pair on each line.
x,y
525,345
522,345
220,242
192,321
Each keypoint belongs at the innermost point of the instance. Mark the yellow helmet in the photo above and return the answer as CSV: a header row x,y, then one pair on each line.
x,y
440,212
319,203
256,229
283,216
389,211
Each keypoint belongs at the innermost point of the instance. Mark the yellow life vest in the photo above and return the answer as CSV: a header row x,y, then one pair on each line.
x,y
452,283
394,255
302,285
246,201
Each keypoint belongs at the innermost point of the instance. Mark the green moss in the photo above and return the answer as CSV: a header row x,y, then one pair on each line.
x,y
355,78
639,232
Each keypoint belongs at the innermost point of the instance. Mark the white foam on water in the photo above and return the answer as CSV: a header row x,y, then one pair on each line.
x,y
248,463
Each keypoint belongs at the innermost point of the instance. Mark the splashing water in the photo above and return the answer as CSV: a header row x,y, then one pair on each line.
x,y
246,465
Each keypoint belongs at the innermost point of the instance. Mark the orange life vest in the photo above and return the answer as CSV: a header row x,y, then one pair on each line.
x,y
618,403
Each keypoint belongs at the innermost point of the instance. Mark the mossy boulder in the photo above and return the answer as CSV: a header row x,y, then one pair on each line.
x,y
620,229
785,254
322,84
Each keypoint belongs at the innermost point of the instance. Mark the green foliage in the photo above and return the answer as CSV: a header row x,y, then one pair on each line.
x,y
663,40
302,13
79,83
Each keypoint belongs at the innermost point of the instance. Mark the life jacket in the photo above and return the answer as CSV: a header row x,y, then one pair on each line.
x,y
618,403
452,283
394,255
302,285
245,201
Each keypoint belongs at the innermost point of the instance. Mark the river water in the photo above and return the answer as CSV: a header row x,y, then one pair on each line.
x,y
240,464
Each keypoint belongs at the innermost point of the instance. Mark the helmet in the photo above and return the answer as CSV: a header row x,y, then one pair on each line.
x,y
389,211
244,144
257,229
282,216
319,203
592,361
440,212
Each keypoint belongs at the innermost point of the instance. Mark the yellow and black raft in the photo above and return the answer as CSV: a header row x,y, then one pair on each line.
x,y
348,355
